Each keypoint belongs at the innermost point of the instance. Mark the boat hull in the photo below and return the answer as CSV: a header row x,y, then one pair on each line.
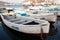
x,y
44,35
58,14
47,16
32,30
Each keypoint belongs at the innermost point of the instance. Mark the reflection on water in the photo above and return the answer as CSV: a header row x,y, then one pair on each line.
x,y
3,34
8,34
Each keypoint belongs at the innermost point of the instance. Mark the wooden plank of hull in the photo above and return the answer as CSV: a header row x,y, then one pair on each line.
x,y
26,34
48,16
26,29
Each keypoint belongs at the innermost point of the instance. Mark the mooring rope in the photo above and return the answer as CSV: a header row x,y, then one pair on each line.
x,y
42,34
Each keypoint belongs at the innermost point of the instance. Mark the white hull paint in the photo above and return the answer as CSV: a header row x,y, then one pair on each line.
x,y
47,16
33,29
58,14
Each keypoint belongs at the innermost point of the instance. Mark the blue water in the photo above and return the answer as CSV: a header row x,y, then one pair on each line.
x,y
3,34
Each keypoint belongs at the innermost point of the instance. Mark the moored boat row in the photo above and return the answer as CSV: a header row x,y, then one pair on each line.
x,y
29,19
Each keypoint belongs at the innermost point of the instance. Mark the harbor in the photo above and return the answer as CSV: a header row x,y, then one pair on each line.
x,y
30,20
16,35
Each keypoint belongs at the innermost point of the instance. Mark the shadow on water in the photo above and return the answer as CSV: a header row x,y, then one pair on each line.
x,y
54,33
19,36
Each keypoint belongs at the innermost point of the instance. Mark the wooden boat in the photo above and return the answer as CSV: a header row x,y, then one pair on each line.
x,y
26,25
52,17
58,14
3,10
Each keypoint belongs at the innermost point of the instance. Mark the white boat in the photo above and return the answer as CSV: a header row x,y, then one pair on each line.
x,y
34,14
6,10
58,13
47,16
57,2
25,25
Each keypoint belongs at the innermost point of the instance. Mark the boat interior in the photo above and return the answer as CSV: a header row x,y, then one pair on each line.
x,y
20,20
